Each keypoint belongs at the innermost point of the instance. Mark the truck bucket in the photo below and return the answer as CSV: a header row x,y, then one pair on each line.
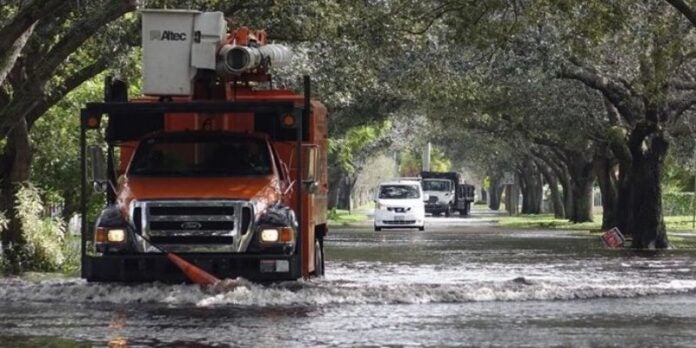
x,y
193,273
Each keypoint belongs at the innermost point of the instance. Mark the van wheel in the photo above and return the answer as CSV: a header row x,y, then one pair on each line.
x,y
448,212
318,259
377,229
421,228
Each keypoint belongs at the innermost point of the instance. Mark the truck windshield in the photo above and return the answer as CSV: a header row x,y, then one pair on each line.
x,y
201,156
436,185
399,191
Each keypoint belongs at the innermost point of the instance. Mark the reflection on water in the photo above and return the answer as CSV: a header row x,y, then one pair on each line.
x,y
468,285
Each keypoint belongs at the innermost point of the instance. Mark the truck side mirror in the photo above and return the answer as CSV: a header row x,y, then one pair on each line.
x,y
98,168
309,163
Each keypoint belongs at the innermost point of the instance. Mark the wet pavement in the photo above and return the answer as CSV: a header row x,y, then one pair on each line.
x,y
462,282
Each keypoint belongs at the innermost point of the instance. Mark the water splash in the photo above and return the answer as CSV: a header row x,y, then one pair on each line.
x,y
339,291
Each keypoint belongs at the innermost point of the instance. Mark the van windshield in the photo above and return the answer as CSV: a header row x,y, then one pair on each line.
x,y
399,191
436,185
201,156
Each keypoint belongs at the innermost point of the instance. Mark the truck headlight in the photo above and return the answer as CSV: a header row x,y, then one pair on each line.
x,y
269,235
116,235
279,234
109,235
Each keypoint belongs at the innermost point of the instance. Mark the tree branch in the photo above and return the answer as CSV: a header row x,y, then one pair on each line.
x,y
78,34
619,96
25,19
240,5
681,105
685,10
8,59
72,82
682,85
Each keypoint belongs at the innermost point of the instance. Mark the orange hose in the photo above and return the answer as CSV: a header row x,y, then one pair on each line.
x,y
194,274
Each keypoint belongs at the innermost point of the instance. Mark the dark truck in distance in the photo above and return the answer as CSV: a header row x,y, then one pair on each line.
x,y
447,193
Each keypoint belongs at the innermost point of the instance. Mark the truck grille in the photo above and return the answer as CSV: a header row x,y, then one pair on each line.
x,y
214,226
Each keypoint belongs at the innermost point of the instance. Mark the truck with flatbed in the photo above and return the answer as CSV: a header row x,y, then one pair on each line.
x,y
446,193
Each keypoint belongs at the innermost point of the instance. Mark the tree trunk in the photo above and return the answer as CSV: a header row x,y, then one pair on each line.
x,y
556,199
604,169
648,147
495,194
346,189
512,201
582,175
532,188
564,180
15,164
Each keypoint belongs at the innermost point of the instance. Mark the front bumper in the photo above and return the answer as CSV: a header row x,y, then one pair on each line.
x,y
157,267
388,219
436,207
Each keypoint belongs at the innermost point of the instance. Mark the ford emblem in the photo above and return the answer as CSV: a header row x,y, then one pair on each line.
x,y
191,225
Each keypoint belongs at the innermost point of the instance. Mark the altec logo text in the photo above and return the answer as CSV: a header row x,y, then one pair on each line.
x,y
167,35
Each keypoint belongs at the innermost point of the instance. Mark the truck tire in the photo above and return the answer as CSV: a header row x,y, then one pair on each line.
x,y
421,228
448,211
377,229
318,258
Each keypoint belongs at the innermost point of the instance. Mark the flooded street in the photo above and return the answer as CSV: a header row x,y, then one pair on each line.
x,y
462,282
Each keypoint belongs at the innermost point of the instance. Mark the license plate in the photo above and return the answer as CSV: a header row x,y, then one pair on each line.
x,y
398,218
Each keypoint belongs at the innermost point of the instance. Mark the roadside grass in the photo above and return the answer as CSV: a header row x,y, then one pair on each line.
x,y
548,221
679,223
340,217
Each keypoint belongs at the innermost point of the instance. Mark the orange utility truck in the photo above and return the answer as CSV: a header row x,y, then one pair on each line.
x,y
211,163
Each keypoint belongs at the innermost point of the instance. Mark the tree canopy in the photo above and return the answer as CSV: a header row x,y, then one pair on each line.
x,y
563,93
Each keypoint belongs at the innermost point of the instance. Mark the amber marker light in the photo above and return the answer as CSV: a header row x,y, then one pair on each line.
x,y
101,235
288,120
286,234
92,122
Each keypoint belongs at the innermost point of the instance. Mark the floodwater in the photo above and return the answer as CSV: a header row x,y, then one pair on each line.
x,y
462,282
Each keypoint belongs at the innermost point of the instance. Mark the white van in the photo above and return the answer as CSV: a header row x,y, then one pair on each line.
x,y
399,204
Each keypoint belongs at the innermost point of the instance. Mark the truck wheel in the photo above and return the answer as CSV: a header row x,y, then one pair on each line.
x,y
421,228
448,212
318,259
377,229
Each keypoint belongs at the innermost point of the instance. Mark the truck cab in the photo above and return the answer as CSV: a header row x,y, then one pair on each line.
x,y
441,195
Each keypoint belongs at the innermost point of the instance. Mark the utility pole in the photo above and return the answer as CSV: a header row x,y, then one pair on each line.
x,y
426,157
